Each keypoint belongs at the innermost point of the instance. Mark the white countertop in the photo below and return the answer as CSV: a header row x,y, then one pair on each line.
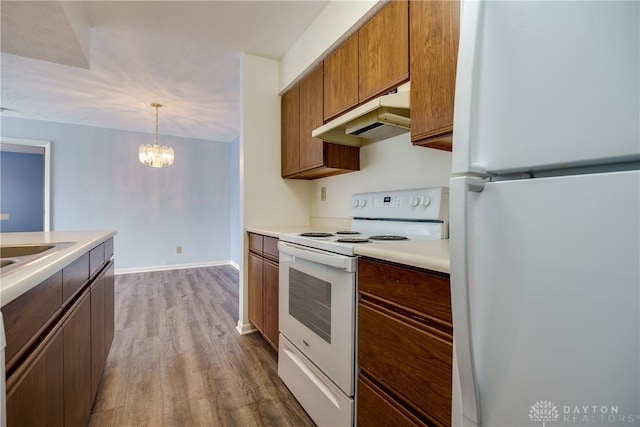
x,y
20,280
428,254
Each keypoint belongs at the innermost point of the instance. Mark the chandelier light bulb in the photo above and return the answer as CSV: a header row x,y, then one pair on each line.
x,y
155,155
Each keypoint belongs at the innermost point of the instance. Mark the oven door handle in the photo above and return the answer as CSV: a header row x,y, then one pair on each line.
x,y
320,257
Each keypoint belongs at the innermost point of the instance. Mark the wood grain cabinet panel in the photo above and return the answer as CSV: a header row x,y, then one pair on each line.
x,y
109,331
422,293
74,276
405,344
98,338
96,259
28,317
290,131
305,157
376,408
264,275
311,117
434,32
255,291
35,392
413,363
270,296
341,79
384,51
77,364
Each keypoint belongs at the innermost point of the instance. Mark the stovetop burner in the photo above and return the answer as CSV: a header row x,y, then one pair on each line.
x,y
388,237
353,240
348,232
316,234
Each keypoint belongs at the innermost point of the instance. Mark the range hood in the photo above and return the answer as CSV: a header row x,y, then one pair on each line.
x,y
378,119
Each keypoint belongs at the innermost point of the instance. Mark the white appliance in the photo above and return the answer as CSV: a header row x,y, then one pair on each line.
x,y
316,357
545,215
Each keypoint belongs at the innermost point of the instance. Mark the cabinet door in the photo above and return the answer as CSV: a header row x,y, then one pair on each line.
x,y
434,30
270,301
311,117
109,327
341,79
35,391
255,291
98,309
77,365
384,51
290,131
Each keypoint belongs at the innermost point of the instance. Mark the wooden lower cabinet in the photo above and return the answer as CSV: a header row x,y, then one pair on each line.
x,y
264,275
405,345
270,295
60,344
35,393
77,364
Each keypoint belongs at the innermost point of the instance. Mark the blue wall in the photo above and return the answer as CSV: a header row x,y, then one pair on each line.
x,y
98,183
22,191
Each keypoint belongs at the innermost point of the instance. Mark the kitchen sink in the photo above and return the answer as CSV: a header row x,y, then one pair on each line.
x,y
6,262
14,257
23,250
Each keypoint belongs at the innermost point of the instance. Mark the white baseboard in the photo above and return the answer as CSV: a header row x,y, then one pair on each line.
x,y
245,328
173,267
234,265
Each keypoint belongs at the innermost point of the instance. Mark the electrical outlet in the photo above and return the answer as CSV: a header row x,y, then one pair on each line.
x,y
323,194
178,250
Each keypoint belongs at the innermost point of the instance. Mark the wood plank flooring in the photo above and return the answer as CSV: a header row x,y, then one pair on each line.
x,y
177,360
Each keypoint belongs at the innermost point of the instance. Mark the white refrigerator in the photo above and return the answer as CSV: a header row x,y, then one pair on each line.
x,y
545,214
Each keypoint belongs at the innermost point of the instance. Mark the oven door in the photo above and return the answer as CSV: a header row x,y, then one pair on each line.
x,y
317,309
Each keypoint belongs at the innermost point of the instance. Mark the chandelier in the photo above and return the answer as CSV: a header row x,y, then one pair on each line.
x,y
155,155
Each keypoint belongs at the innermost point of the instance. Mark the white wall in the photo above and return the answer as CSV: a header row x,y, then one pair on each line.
x,y
386,165
265,198
235,248
98,183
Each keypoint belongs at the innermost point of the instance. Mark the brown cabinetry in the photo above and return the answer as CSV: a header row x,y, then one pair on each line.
x,y
302,156
52,331
341,79
263,285
383,53
405,345
434,31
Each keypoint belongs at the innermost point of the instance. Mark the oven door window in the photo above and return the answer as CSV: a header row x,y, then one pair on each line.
x,y
310,302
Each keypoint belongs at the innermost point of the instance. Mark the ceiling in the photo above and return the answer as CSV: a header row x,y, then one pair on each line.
x,y
102,63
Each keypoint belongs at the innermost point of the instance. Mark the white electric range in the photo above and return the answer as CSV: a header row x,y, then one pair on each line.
x,y
317,309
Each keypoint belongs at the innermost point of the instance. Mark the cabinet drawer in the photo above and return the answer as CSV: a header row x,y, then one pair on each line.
x,y
74,276
375,407
108,249
270,248
415,365
28,316
419,290
96,259
255,242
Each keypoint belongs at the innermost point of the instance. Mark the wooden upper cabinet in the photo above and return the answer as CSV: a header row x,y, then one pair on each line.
x,y
384,51
341,79
311,117
290,129
434,31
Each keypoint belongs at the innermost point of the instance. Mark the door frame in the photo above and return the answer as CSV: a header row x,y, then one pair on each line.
x,y
46,146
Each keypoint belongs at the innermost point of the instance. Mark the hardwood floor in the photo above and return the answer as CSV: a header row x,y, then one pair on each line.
x,y
177,360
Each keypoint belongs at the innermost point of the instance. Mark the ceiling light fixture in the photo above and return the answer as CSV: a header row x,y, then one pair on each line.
x,y
155,155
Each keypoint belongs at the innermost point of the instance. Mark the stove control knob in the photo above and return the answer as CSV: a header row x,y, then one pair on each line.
x,y
363,203
355,203
425,201
414,201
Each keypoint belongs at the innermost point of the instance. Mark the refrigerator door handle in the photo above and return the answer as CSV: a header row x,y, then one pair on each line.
x,y
463,116
465,407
